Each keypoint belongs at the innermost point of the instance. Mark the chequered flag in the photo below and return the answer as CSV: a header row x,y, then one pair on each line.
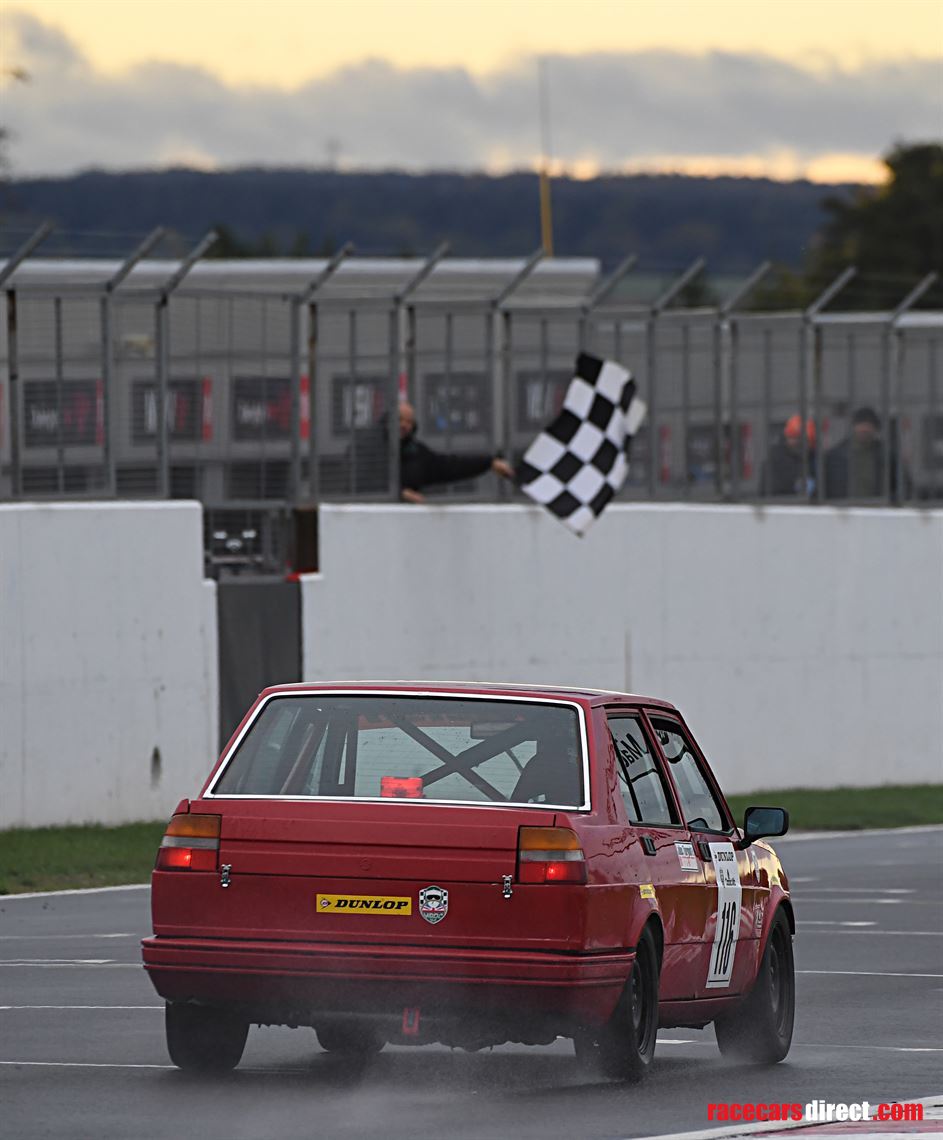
x,y
577,463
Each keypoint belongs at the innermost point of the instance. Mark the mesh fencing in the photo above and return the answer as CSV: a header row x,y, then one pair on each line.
x,y
259,400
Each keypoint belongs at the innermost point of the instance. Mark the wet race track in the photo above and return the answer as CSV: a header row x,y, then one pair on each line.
x,y
82,1050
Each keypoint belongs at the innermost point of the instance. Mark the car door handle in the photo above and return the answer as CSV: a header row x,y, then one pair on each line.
x,y
705,850
648,845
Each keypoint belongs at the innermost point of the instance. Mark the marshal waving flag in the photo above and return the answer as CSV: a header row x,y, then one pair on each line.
x,y
578,462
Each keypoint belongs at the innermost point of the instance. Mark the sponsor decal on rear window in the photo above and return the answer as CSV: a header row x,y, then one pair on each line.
x,y
364,904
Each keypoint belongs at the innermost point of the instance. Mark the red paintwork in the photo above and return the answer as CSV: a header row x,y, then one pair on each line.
x,y
556,952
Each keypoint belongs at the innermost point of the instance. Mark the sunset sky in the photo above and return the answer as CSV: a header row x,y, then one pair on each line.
x,y
811,88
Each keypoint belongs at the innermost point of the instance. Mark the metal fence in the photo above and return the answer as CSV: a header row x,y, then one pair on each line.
x,y
262,389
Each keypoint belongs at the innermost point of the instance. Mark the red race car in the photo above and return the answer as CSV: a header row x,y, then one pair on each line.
x,y
469,864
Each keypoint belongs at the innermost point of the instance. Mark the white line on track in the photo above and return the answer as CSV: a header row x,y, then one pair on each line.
x,y
4,899
866,974
897,933
861,890
836,922
60,963
709,1043
806,900
13,1007
84,1065
60,937
869,833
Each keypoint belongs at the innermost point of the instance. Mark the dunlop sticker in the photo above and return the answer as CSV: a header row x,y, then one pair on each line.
x,y
364,904
647,891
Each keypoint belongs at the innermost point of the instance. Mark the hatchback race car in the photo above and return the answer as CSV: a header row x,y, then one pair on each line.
x,y
469,864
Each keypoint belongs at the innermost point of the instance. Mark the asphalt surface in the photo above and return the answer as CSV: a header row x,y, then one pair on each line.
x,y
82,1050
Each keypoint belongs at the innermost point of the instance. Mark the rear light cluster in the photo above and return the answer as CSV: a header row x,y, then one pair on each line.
x,y
191,843
550,855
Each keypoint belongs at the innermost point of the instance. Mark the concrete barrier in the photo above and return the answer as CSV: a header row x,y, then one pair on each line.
x,y
108,689
804,646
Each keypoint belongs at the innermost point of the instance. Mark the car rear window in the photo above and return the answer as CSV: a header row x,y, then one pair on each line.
x,y
404,747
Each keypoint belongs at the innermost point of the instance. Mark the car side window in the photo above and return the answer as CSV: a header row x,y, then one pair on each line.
x,y
640,780
701,810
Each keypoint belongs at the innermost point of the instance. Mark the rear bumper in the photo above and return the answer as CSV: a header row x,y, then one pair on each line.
x,y
305,979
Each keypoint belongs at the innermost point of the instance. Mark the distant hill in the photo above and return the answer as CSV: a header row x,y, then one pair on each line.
x,y
666,219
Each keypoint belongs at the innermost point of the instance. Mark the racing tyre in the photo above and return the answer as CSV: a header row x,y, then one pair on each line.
x,y
349,1038
759,1032
201,1039
624,1047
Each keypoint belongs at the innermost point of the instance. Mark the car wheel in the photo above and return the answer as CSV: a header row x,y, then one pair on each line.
x,y
203,1039
350,1038
624,1047
759,1031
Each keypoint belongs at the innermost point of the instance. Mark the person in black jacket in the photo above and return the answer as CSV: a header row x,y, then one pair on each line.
x,y
420,466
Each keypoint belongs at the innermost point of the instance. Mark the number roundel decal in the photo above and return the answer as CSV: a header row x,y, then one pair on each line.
x,y
727,930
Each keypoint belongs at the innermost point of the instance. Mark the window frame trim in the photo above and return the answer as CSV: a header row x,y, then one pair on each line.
x,y
637,713
703,767
582,714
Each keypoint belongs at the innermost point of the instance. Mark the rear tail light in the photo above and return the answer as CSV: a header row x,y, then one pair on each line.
x,y
191,843
550,855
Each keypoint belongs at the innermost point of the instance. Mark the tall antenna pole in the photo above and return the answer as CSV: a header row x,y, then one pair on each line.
x,y
546,216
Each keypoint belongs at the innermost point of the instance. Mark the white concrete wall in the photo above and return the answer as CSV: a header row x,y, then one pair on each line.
x,y
107,652
804,646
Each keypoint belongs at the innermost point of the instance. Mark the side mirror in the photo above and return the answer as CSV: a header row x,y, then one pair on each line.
x,y
762,821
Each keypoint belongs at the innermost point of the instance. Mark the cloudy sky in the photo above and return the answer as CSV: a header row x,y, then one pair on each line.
x,y
783,88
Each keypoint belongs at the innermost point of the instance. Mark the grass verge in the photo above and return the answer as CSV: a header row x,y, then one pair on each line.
x,y
850,809
59,858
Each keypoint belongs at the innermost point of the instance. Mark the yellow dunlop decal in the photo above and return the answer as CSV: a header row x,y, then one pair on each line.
x,y
363,904
647,891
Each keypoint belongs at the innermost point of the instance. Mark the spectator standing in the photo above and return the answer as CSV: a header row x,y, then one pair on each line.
x,y
782,473
855,467
420,466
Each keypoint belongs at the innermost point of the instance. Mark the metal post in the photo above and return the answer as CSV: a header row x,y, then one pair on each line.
x,y
501,386
398,350
352,390
602,293
809,325
654,312
686,405
818,349
16,480
896,350
767,398
934,392
447,364
309,298
60,394
31,243
725,320
734,411
294,460
162,351
107,353
16,459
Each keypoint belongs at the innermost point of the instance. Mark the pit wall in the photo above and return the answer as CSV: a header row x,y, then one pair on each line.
x,y
804,646
108,674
